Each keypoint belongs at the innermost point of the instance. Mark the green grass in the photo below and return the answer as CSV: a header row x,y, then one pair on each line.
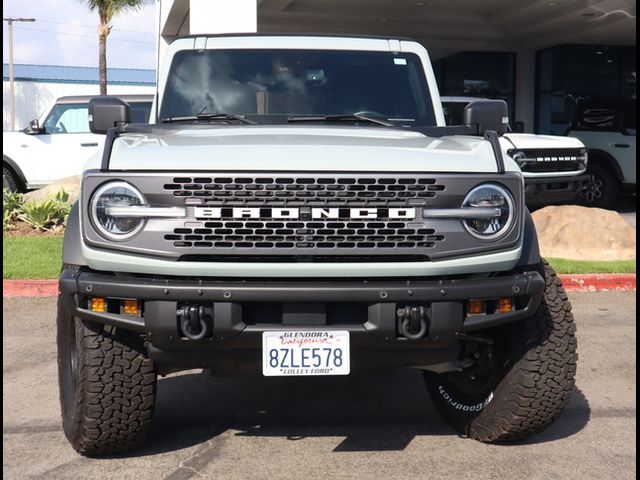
x,y
562,265
41,257
31,257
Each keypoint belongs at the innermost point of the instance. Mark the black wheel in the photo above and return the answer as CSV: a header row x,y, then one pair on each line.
x,y
107,386
602,188
522,377
9,180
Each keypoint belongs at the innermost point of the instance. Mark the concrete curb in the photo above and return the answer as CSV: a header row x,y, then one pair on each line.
x,y
29,288
594,282
599,282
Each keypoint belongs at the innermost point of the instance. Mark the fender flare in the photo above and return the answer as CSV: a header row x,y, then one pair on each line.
x,y
72,243
530,249
601,156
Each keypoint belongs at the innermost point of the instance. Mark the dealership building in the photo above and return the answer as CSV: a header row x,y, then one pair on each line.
x,y
542,57
38,86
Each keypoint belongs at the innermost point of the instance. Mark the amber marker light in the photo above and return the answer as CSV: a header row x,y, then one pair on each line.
x,y
475,307
505,305
131,307
98,304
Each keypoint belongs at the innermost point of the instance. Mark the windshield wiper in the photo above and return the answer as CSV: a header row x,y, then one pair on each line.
x,y
205,117
339,118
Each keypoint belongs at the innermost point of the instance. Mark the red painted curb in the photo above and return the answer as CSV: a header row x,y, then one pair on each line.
x,y
597,282
594,282
29,288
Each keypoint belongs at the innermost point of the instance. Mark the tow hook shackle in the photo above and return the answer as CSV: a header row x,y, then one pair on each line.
x,y
194,321
412,321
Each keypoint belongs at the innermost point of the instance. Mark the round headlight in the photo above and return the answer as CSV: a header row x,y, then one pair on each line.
x,y
489,225
116,194
518,155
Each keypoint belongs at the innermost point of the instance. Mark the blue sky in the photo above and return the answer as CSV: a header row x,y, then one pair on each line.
x,y
64,33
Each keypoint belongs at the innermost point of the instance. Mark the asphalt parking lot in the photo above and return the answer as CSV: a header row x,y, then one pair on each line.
x,y
362,426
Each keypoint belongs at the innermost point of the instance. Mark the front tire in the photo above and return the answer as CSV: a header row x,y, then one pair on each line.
x,y
107,386
601,190
9,180
521,384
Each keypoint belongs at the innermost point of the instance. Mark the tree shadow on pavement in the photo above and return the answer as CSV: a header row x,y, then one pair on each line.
x,y
371,412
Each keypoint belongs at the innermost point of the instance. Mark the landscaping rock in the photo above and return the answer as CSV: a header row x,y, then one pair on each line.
x,y
582,233
71,185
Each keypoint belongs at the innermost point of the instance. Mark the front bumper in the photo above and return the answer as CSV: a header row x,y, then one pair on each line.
x,y
541,191
243,310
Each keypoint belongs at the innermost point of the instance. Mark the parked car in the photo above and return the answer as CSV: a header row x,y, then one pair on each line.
x,y
553,167
306,211
608,129
57,144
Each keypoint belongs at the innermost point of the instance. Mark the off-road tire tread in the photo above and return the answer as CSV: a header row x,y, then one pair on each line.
x,y
539,384
12,180
115,392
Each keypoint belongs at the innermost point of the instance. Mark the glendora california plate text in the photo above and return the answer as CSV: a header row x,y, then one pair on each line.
x,y
309,352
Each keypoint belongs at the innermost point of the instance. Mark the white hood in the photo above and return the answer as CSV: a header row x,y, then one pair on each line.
x,y
529,140
298,148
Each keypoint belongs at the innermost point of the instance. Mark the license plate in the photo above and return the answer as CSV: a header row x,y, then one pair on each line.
x,y
301,353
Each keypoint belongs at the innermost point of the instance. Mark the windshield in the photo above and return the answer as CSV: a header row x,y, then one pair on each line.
x,y
271,85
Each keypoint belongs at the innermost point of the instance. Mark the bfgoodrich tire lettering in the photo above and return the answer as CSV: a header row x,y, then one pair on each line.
x,y
107,386
531,381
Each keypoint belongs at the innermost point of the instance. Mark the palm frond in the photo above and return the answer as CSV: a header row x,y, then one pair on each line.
x,y
107,9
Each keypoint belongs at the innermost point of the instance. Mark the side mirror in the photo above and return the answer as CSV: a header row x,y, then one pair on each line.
x,y
108,112
483,115
34,127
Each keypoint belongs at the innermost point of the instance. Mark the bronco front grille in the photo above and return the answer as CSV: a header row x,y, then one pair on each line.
x,y
552,160
305,234
289,191
238,216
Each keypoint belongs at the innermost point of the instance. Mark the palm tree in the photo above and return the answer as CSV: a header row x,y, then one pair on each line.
x,y
107,9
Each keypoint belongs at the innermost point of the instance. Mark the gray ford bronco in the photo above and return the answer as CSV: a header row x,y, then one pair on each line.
x,y
297,206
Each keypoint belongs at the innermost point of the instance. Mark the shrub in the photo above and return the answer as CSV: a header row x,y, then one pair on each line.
x,y
48,214
11,205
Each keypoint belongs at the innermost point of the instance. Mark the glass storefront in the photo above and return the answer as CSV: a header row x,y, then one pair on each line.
x,y
569,74
478,74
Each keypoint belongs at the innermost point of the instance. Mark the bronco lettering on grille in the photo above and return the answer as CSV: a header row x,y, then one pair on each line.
x,y
294,213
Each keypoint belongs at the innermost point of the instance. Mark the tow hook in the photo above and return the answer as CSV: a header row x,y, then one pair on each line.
x,y
412,321
195,321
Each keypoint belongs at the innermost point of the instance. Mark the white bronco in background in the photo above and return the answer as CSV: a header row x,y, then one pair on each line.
x,y
608,129
554,167
57,144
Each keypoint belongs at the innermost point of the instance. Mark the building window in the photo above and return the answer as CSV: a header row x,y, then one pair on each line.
x,y
570,74
478,74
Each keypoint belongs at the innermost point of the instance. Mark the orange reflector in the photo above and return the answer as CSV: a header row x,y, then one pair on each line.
x,y
98,304
131,307
505,305
475,307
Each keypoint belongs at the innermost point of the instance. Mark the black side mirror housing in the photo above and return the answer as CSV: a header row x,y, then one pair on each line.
x,y
108,112
34,127
484,115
